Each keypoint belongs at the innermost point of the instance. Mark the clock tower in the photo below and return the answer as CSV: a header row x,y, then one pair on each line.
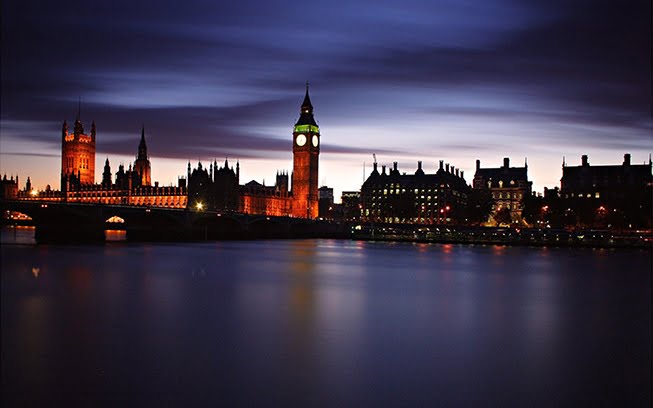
x,y
306,152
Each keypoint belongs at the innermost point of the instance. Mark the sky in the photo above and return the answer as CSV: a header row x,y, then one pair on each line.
x,y
452,80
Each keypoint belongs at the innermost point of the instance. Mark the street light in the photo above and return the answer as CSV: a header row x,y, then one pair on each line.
x,y
199,206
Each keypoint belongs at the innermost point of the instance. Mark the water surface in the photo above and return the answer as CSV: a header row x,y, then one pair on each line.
x,y
325,323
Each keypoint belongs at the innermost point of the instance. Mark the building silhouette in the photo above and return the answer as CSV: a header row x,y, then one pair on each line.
x,y
607,195
217,188
508,186
77,155
606,182
142,163
413,198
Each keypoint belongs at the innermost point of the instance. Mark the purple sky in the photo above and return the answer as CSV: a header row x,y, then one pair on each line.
x,y
413,80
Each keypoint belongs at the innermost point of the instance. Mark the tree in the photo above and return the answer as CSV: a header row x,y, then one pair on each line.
x,y
534,209
503,216
479,206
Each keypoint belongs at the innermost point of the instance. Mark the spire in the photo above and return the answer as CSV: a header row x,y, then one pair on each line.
x,y
142,146
307,107
306,111
79,129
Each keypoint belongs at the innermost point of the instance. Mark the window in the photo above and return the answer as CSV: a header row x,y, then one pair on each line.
x,y
500,183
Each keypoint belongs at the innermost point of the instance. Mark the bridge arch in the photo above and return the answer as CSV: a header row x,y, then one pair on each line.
x,y
217,226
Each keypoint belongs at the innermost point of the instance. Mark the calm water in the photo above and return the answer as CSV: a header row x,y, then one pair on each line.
x,y
325,323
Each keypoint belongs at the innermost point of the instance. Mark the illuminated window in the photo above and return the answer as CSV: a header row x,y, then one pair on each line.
x,y
500,183
597,195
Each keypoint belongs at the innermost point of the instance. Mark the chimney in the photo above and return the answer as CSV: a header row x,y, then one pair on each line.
x,y
441,164
382,169
506,162
419,165
375,166
478,165
457,172
394,166
462,174
452,169
447,167
584,160
627,159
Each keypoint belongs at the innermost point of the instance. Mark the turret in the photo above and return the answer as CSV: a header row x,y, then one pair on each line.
x,y
106,175
64,130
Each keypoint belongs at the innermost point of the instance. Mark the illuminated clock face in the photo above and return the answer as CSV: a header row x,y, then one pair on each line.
x,y
301,140
316,140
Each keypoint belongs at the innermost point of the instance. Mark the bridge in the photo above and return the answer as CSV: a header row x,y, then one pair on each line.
x,y
77,222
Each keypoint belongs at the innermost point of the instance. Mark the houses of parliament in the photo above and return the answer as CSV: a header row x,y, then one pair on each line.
x,y
216,188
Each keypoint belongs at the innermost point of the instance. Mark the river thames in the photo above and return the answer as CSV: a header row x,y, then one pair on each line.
x,y
324,323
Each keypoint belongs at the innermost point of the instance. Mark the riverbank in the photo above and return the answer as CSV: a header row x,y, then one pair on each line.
x,y
508,236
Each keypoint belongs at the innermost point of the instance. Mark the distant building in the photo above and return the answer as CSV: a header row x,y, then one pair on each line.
x,y
218,188
351,205
325,201
617,196
142,163
77,155
508,185
215,188
608,183
9,187
131,186
413,198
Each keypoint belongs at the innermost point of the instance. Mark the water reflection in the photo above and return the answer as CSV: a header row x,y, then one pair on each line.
x,y
17,234
289,322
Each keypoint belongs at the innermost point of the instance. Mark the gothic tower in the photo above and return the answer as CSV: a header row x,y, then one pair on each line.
x,y
106,175
77,155
306,152
142,163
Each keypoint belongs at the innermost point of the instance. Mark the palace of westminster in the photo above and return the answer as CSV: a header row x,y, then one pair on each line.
x,y
384,197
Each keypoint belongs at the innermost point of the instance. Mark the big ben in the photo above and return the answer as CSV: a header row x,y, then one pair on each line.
x,y
306,152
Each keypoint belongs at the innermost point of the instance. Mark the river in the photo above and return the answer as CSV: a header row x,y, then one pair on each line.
x,y
324,323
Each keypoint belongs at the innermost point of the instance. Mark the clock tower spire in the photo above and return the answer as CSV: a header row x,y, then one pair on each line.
x,y
306,152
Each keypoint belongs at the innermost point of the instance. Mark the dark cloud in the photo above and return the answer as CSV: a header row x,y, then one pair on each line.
x,y
225,78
